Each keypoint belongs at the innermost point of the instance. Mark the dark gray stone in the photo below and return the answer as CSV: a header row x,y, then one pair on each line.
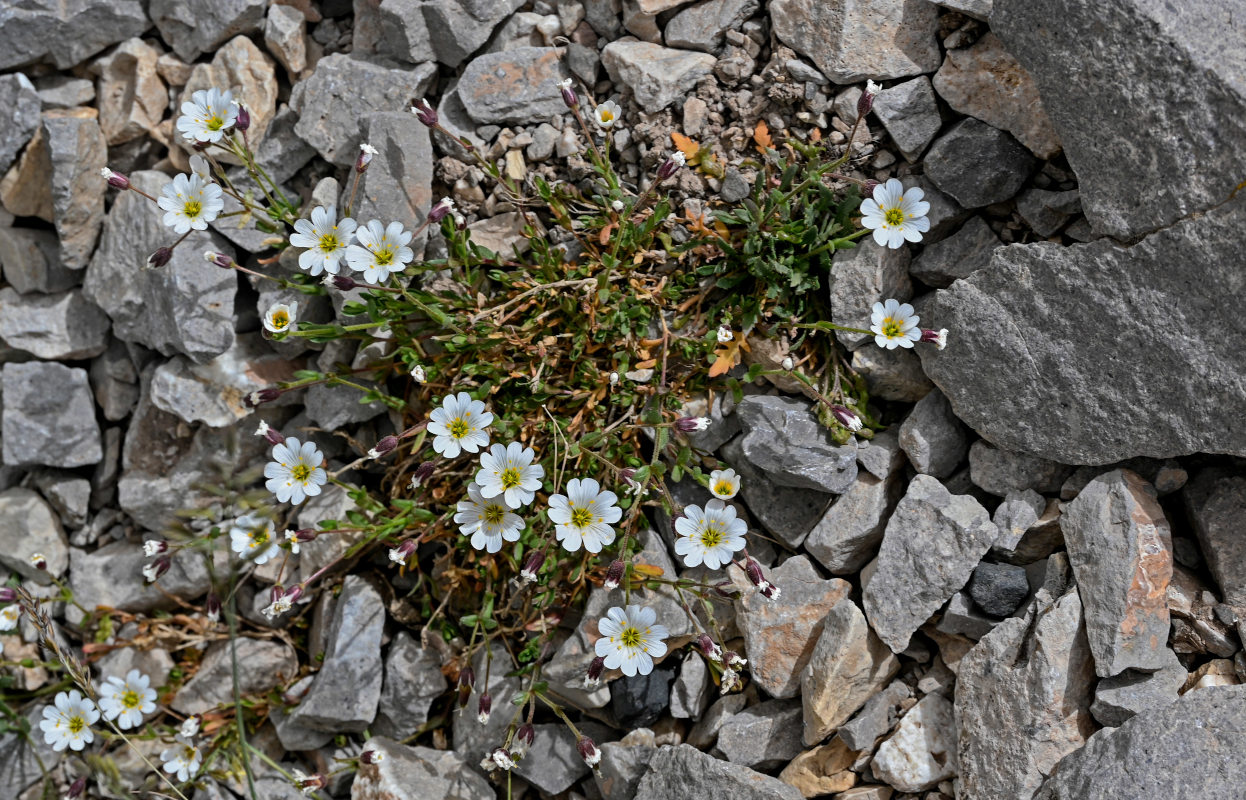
x,y
553,764
933,438
18,95
963,618
192,31
910,113
1047,211
891,374
112,577
398,183
848,42
60,326
1132,181
876,718
417,773
861,277
421,30
31,261
684,771
1133,692
639,700
945,214
1029,528
998,588
787,514
978,165
783,438
28,526
514,86
702,26
48,417
690,694
657,76
66,32
763,736
847,536
1021,371
413,680
471,739
623,763
958,256
1000,472
262,665
1216,503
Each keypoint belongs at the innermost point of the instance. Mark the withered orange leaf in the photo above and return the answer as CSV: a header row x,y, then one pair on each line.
x,y
689,148
761,135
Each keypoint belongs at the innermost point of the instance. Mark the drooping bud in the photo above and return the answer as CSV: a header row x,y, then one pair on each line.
x,y
76,788
190,726
708,648
690,424
115,179
866,101
847,418
155,569
383,447
159,258
614,379
242,121
425,112
671,165
271,435
438,212
595,668
467,679
212,607
614,575
526,735
402,552
484,709
154,547
366,153
305,534
532,566
937,338
422,473
343,282
568,94
309,783
219,259
417,374
372,756
617,205
262,396
588,751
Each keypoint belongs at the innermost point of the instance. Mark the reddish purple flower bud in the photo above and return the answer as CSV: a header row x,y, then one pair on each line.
x,y
690,424
312,783
467,679
484,709
707,647
115,179
371,756
344,282
7,595
39,561
366,152
305,534
219,259
847,418
588,751
76,788
155,569
614,575
160,257
262,396
671,165
243,120
754,571
526,735
866,102
438,212
199,147
937,338
425,113
867,189
532,566
212,607
422,473
568,94
595,668
384,447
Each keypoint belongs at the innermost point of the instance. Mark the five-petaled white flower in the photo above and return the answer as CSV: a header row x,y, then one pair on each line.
x,y
724,334
583,515
207,115
710,535
9,615
277,607
295,473
325,238
487,520
607,114
252,537
280,317
895,215
724,483
894,324
67,722
380,251
631,639
182,759
459,425
127,700
509,471
190,726
190,202
292,538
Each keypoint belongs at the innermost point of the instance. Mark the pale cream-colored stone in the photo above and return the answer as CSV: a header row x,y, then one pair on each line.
x,y
132,97
25,191
249,73
822,770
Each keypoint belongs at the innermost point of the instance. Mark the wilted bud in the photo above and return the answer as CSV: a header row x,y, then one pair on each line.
x,y
76,788
847,418
690,424
422,473
262,396
614,575
588,751
708,648
372,756
155,569
595,668
568,94
271,435
344,282
309,783
484,709
116,180
499,758
366,152
384,447
866,101
526,735
467,679
39,561
937,338
219,259
671,165
425,113
160,257
212,607
243,119
532,566
438,212
154,547
402,552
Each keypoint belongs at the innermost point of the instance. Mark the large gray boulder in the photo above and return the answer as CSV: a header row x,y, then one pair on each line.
x,y
47,416
65,31
850,40
684,771
1094,353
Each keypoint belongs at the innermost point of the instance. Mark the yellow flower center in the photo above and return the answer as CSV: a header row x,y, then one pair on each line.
x,y
493,514
384,257
329,243
459,428
301,473
259,536
894,216
722,487
510,478
130,699
76,724
215,123
192,208
280,319
630,637
891,328
188,753
712,536
607,115
581,517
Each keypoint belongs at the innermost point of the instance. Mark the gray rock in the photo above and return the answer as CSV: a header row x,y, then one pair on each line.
x,y
763,736
849,664
1001,472
958,256
194,31
977,164
155,663
262,665
1029,528
421,30
1011,733
27,527
67,493
345,693
64,91
333,503
413,680
998,588
416,773
78,152
186,306
783,438
945,214
18,95
933,541
788,514
922,751
705,733
214,393
1216,504
657,76
849,42
25,759
724,424
1164,752
933,438
1131,181
1133,692
861,277
454,118
1120,546
1069,399
31,261
48,417
639,700
847,536
514,86
398,183
702,26
780,634
332,102
285,36
978,9
471,739
735,188
552,764
65,32
881,456
133,98
1047,211
282,153
623,763
910,114
60,326
963,618
112,577
690,694
684,771
876,718
985,82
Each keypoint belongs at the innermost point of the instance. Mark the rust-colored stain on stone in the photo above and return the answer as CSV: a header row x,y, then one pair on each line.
x,y
1146,599
510,78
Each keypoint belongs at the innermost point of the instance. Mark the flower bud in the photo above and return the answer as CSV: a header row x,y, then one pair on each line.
x,y
262,396
788,363
212,607
690,424
425,113
671,165
595,668
614,575
190,726
532,566
568,94
588,751
937,338
154,547
847,418
614,379
39,561
155,569
199,147
305,534
753,570
708,648
219,259
160,257
371,756
866,101
467,679
438,212
343,282
242,120
484,709
366,152
271,435
76,788
617,205
402,552
422,473
526,734
383,447
310,783
115,179
417,374
499,758
7,595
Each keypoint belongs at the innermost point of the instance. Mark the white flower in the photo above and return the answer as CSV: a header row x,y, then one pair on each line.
x,y
894,324
207,115
126,701
182,759
200,166
617,205
151,572
9,615
724,483
459,425
583,515
293,538
895,215
729,680
565,83
788,363
709,536
380,252
417,374
252,537
152,548
190,202
631,639
295,472
680,160
509,471
190,726
277,607
872,88
280,317
607,114
724,334
67,722
487,521
325,238
364,147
